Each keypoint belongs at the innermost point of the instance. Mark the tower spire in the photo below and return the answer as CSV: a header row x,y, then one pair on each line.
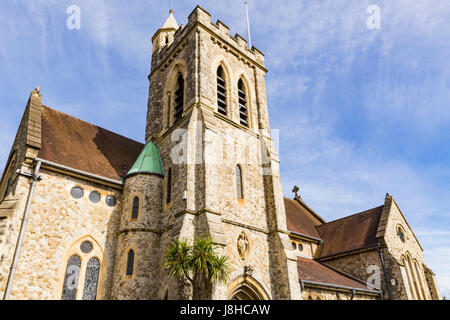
x,y
171,22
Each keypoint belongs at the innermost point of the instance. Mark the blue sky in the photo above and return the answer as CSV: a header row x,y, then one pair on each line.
x,y
361,112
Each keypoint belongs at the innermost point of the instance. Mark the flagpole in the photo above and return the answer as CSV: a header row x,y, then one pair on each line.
x,y
248,26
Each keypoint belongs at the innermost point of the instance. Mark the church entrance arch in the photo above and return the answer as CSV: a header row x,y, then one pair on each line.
x,y
246,288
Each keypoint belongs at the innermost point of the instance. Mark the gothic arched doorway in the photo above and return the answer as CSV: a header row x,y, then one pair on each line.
x,y
246,288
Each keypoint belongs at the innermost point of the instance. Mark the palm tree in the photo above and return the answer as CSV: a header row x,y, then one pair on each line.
x,y
196,261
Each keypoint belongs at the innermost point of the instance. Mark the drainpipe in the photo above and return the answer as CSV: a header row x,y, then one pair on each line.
x,y
386,279
35,176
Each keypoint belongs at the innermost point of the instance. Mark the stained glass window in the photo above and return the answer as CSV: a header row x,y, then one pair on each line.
x,y
111,201
135,213
130,263
400,234
94,197
77,192
91,279
86,247
71,278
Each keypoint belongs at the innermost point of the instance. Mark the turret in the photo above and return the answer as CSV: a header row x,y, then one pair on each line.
x,y
164,36
138,244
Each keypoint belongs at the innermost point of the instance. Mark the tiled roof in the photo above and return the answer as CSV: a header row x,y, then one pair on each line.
x,y
77,144
354,232
313,271
298,219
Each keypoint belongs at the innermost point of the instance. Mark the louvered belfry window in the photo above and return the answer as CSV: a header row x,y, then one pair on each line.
x,y
179,98
135,212
240,193
130,263
221,92
243,113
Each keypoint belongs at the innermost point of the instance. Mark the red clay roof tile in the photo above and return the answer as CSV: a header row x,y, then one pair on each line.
x,y
77,144
310,270
350,233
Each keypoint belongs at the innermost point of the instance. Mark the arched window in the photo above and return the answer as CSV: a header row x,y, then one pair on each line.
x,y
169,186
130,263
419,279
243,112
84,263
135,212
410,279
179,98
91,279
70,285
221,92
416,286
240,192
401,234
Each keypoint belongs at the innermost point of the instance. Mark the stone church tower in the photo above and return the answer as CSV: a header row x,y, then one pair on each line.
x,y
86,213
207,112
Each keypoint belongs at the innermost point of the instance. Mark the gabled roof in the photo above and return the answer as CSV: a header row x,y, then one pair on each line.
x,y
315,272
299,220
354,232
74,143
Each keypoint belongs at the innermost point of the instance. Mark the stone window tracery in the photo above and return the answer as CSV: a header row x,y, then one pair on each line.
x,y
82,268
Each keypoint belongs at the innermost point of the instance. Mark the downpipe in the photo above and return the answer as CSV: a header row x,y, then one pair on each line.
x,y
36,177
386,279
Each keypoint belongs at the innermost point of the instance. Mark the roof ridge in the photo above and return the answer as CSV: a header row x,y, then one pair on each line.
x,y
352,215
90,123
309,209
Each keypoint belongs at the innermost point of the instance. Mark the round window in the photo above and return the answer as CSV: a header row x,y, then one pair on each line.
x,y
300,247
111,201
94,197
77,192
294,245
86,247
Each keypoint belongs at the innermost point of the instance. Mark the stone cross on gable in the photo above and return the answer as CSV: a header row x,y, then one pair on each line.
x,y
295,190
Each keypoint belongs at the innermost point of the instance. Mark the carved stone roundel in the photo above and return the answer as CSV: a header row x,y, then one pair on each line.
x,y
243,245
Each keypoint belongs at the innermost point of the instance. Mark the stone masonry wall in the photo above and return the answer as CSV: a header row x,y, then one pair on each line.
x,y
57,221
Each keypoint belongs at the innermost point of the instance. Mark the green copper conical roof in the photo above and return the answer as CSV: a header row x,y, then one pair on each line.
x,y
149,161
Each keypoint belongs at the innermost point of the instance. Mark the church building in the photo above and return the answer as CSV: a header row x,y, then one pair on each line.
x,y
87,214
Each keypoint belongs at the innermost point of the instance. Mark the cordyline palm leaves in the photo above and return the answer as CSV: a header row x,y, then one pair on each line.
x,y
190,261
